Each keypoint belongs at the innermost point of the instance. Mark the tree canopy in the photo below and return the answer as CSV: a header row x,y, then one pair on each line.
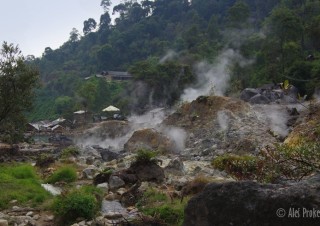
x,y
17,83
275,36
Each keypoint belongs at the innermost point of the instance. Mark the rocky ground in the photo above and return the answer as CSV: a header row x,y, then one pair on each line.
x,y
186,141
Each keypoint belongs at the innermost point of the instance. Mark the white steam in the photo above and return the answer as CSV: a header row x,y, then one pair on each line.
x,y
170,55
223,120
278,120
151,120
177,135
213,79
276,117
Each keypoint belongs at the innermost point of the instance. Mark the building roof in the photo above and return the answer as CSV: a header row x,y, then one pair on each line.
x,y
119,73
79,112
111,108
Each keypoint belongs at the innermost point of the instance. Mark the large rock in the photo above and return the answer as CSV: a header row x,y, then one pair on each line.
x,y
248,93
3,222
108,155
115,182
250,203
149,139
88,173
175,166
259,99
147,171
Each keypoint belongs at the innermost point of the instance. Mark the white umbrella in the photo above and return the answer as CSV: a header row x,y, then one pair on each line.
x,y
111,108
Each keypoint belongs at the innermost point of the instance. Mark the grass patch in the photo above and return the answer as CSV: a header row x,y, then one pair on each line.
x,y
66,174
20,182
156,204
77,203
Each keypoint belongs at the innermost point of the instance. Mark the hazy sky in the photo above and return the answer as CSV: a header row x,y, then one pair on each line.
x,y
37,24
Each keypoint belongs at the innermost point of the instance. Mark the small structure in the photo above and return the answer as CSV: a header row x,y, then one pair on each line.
x,y
33,127
81,117
49,126
111,112
58,129
116,75
111,109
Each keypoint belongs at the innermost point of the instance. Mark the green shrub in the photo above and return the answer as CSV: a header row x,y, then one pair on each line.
x,y
145,156
65,174
21,183
292,163
271,164
241,167
80,203
70,151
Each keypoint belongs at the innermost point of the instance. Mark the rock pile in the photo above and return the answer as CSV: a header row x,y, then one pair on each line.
x,y
270,93
217,125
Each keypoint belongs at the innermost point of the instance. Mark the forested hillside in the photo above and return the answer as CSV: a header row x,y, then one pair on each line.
x,y
160,41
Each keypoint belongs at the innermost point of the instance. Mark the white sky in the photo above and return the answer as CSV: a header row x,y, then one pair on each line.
x,y
37,24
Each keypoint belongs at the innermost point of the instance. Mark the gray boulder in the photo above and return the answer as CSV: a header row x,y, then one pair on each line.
x,y
88,173
149,171
175,166
251,203
115,182
248,93
104,187
259,99
108,155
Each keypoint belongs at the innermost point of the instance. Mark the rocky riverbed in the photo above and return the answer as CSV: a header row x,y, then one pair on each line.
x,y
186,141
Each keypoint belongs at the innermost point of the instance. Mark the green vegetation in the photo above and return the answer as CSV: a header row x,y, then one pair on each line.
x,y
166,80
78,203
145,156
241,167
17,83
20,182
64,174
160,41
272,164
69,152
159,206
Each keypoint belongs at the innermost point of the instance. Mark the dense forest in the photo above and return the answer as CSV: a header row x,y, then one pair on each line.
x,y
159,42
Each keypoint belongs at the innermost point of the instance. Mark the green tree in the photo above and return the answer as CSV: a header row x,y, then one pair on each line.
x,y
105,4
89,25
74,35
64,105
238,14
213,28
313,31
165,81
285,26
17,83
87,92
105,20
